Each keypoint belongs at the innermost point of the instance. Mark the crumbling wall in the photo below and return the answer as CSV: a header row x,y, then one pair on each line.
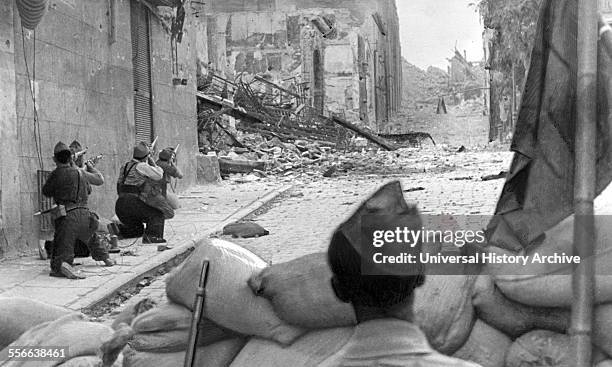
x,y
280,40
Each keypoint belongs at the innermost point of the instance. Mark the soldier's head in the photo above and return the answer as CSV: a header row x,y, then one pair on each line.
x,y
141,151
371,286
166,154
351,285
76,147
62,154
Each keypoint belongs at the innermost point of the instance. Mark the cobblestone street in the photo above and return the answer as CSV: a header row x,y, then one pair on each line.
x,y
302,220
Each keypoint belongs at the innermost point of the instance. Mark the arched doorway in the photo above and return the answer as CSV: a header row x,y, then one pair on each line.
x,y
318,81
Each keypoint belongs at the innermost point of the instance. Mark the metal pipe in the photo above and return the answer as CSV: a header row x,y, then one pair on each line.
x,y
583,277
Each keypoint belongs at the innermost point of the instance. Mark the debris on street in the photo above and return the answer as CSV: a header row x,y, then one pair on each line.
x,y
498,176
245,230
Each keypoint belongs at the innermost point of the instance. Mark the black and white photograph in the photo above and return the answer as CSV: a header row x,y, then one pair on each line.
x,y
305,183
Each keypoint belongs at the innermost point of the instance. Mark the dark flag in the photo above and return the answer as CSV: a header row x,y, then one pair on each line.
x,y
538,192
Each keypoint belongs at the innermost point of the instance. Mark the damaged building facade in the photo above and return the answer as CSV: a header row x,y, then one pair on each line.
x,y
343,55
103,73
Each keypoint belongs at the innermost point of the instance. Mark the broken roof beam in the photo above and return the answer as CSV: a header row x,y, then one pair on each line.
x,y
260,79
366,134
230,110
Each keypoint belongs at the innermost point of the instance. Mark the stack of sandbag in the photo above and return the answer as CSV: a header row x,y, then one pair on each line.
x,y
131,311
550,285
544,289
165,329
82,338
17,315
301,294
229,301
485,346
544,348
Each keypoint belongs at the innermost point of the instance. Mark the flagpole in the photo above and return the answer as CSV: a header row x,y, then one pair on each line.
x,y
584,183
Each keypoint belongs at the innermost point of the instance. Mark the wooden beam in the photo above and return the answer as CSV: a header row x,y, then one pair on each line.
x,y
585,175
366,134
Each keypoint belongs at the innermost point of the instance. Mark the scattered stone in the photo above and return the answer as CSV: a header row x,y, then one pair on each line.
x,y
498,176
412,189
462,149
330,171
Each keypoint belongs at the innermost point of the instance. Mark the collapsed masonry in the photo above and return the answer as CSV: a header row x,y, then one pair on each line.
x,y
266,124
342,57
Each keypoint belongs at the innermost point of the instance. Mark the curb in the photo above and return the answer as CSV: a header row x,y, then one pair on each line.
x,y
174,255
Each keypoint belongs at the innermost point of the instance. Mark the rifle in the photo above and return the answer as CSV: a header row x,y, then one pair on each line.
x,y
154,143
175,151
45,211
78,155
198,306
93,161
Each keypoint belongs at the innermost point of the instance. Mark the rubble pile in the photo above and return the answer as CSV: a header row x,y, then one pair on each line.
x,y
422,85
268,158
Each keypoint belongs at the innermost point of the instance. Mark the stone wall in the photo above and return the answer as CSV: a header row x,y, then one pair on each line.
x,y
83,87
10,207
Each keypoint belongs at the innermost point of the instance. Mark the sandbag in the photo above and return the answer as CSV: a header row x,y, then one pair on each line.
x,y
443,310
88,361
229,300
177,340
168,316
602,324
485,346
301,293
544,348
17,315
219,354
83,338
606,363
110,350
550,285
513,318
309,350
128,315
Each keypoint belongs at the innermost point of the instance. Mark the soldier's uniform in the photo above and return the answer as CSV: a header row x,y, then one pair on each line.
x,y
170,170
69,188
130,208
94,247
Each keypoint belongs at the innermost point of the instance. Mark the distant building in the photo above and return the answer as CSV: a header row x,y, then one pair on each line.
x,y
466,79
344,55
